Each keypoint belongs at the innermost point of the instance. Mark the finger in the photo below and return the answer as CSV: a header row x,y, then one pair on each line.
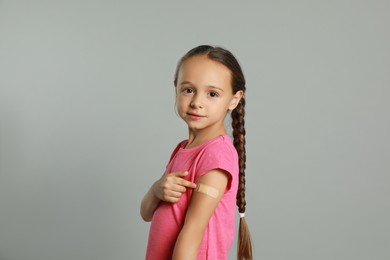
x,y
173,194
182,182
180,174
174,186
186,183
172,200
178,188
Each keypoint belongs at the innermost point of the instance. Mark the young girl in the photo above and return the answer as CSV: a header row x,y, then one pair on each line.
x,y
192,206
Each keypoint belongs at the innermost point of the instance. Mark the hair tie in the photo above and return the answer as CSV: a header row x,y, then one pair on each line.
x,y
242,214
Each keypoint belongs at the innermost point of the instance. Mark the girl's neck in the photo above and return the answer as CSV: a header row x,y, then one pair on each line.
x,y
199,137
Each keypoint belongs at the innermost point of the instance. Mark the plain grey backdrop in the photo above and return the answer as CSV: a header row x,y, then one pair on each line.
x,y
87,122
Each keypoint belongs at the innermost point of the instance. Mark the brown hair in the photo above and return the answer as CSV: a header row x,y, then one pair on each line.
x,y
223,56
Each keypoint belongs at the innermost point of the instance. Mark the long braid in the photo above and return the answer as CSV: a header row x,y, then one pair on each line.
x,y
244,246
238,124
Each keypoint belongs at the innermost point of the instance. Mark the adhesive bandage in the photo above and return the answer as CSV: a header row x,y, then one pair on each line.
x,y
205,189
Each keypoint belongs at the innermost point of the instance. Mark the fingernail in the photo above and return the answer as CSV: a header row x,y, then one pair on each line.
x,y
186,172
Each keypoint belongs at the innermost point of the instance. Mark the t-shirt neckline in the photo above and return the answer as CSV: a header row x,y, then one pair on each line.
x,y
185,142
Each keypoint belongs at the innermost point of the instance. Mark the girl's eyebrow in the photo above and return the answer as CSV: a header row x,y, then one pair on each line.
x,y
217,88
186,82
190,83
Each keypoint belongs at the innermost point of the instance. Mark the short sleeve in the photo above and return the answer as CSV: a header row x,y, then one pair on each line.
x,y
219,155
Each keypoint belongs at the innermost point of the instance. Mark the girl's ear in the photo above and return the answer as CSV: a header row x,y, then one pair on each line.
x,y
236,99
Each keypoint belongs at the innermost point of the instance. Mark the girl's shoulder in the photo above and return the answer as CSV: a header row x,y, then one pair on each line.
x,y
213,149
221,144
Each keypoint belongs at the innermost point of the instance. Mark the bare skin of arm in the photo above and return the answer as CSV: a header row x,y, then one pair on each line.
x,y
200,210
168,188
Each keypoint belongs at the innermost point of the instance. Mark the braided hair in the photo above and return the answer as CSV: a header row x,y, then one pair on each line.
x,y
223,56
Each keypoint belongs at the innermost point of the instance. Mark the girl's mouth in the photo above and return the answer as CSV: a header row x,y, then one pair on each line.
x,y
195,116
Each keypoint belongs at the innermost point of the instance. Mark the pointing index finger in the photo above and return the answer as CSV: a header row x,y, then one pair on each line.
x,y
188,184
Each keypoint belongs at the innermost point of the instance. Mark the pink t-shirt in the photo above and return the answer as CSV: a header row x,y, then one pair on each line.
x,y
168,219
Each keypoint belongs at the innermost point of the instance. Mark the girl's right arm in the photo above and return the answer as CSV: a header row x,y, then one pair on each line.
x,y
168,188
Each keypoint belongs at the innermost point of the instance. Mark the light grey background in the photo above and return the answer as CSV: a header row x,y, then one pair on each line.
x,y
87,122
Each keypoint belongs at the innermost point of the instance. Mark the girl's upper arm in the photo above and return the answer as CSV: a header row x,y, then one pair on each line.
x,y
202,206
199,211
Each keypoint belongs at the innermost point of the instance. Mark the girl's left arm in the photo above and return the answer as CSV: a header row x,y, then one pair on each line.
x,y
198,215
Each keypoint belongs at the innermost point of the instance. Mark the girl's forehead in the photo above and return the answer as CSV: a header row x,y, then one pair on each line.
x,y
204,67
202,60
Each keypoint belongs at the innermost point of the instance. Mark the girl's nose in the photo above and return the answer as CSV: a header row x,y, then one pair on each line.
x,y
196,102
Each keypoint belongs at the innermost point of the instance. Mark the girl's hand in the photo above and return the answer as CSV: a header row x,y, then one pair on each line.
x,y
170,186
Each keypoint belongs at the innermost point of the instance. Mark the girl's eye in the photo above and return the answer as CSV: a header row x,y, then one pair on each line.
x,y
213,94
188,90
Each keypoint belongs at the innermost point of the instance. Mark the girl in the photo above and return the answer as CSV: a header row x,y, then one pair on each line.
x,y
192,206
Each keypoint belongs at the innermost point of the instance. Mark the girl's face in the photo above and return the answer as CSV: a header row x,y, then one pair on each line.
x,y
204,94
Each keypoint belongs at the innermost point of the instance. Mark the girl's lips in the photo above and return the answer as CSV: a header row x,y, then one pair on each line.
x,y
195,116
